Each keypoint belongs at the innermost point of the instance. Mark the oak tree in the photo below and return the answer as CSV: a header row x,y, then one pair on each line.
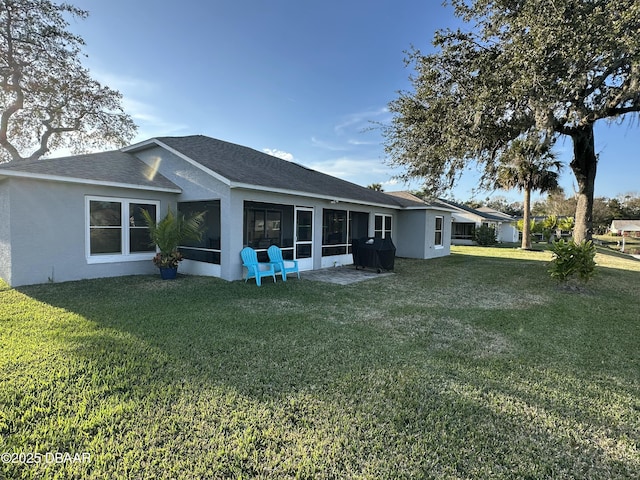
x,y
550,68
48,100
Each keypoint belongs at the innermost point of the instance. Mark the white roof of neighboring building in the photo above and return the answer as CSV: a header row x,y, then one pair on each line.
x,y
626,225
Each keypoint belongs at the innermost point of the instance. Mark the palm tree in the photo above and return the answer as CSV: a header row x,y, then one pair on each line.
x,y
566,224
170,232
528,165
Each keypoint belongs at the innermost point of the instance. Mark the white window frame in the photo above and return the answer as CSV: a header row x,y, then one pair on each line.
x,y
125,255
383,232
435,231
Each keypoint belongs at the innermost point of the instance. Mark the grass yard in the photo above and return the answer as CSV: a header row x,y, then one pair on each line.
x,y
632,243
471,366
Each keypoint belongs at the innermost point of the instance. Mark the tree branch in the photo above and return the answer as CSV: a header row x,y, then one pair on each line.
x,y
614,112
49,131
18,103
600,80
46,93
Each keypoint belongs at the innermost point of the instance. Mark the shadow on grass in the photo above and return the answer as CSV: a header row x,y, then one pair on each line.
x,y
615,253
512,255
260,341
393,378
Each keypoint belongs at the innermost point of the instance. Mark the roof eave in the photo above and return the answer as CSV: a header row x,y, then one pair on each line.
x,y
429,207
332,198
84,181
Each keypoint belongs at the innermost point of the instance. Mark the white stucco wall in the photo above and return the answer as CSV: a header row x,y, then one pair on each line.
x,y
48,231
416,234
410,239
508,233
5,231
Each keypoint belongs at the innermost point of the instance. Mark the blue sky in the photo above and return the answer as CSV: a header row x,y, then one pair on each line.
x,y
303,80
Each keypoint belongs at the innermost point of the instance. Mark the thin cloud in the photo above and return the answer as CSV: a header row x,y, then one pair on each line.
x,y
151,123
124,83
349,133
327,145
360,120
361,171
358,143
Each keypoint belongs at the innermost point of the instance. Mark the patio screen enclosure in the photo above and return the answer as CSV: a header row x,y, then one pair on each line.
x,y
267,224
208,248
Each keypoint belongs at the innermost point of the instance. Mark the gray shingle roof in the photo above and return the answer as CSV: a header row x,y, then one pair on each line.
x,y
408,199
238,164
626,225
108,167
241,164
484,215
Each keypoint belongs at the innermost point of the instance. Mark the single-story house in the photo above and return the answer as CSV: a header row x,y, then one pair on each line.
x,y
466,219
625,228
80,217
622,227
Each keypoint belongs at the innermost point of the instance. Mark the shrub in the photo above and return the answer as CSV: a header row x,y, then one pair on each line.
x,y
485,236
549,227
570,258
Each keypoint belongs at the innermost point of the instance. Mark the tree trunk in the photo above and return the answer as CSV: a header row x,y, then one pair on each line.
x,y
526,223
584,166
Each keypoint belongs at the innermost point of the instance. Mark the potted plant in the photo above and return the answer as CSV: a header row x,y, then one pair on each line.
x,y
168,234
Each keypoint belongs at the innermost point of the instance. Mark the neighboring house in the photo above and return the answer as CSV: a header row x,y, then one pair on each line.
x,y
79,217
626,228
466,219
622,227
423,228
541,236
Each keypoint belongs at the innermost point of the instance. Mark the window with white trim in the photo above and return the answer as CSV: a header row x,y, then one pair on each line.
x,y
382,226
116,230
439,237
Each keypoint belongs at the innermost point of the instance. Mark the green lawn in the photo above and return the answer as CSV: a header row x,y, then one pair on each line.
x,y
471,366
632,243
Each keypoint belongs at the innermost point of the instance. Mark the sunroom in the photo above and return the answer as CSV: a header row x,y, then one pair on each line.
x,y
203,257
302,236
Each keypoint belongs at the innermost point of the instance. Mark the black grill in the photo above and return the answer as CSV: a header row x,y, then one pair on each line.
x,y
378,253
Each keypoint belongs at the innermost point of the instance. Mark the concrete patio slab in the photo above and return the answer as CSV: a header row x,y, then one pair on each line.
x,y
344,275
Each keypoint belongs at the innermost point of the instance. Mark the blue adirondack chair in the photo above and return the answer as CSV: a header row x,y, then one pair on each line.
x,y
254,268
281,265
